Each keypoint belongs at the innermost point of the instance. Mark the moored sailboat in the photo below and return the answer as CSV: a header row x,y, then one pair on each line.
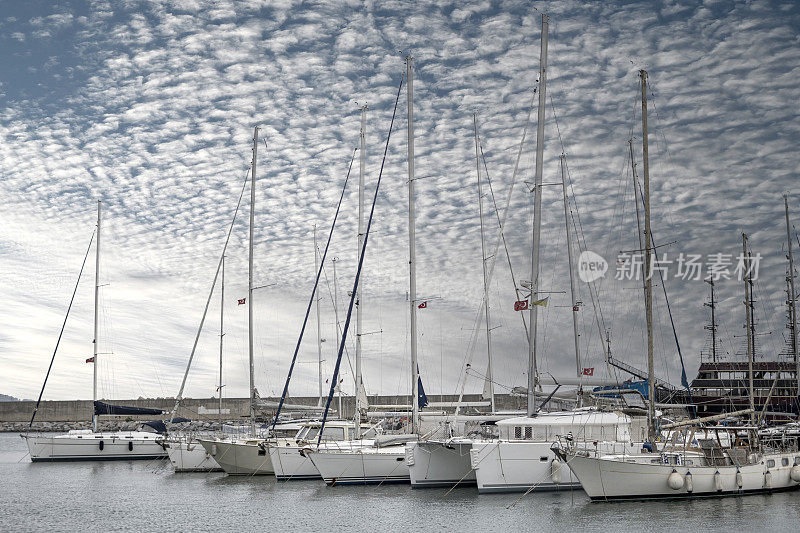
x,y
92,444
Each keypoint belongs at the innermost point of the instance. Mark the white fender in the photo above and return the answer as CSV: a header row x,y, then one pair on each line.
x,y
675,480
718,481
794,473
768,479
689,484
213,449
739,480
555,471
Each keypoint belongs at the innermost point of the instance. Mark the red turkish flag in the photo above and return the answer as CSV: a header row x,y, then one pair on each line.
x,y
423,305
90,360
241,302
521,305
588,371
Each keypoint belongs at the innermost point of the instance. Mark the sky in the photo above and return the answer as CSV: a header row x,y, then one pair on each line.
x,y
149,107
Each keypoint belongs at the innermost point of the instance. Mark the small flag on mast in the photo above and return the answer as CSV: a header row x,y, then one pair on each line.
x,y
90,360
542,302
423,305
588,371
241,302
521,305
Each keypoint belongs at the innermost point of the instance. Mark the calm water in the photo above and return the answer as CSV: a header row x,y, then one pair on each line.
x,y
144,495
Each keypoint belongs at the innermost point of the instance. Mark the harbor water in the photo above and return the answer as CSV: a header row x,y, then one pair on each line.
x,y
147,495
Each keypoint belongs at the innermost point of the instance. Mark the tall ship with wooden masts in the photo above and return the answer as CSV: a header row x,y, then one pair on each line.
x,y
770,386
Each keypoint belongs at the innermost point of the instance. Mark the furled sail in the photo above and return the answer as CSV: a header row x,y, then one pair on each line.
x,y
102,408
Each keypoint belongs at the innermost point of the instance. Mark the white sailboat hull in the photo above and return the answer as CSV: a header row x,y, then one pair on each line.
x,y
361,466
509,466
240,458
605,479
289,464
440,463
190,456
88,446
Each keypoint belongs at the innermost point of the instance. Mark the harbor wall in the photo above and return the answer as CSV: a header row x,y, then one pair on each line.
x,y
233,409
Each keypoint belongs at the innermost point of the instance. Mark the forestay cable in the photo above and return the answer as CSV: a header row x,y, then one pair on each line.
x,y
69,307
313,295
358,272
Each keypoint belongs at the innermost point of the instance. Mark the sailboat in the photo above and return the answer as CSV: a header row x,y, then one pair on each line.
x,y
444,460
92,444
185,453
381,459
247,456
693,458
520,459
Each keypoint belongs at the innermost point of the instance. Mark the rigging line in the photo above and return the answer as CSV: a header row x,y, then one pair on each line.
x,y
337,325
474,337
358,271
313,295
63,325
684,380
502,235
179,397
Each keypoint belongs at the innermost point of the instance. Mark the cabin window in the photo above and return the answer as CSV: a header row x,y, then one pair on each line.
x,y
517,432
528,432
770,463
784,462
542,459
330,433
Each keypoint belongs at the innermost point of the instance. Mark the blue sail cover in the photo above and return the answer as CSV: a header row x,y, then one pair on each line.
x,y
161,425
102,408
422,399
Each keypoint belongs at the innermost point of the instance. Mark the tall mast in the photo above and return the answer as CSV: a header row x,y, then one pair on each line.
x,y
537,220
748,306
336,317
319,325
792,297
489,377
250,286
572,287
648,262
362,170
96,309
713,327
412,265
221,335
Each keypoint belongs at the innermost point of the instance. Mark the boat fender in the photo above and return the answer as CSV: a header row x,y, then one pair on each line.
x,y
794,473
409,456
739,480
675,480
718,481
689,484
102,445
130,445
555,471
768,479
213,449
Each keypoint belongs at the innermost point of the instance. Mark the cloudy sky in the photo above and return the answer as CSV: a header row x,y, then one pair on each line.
x,y
150,106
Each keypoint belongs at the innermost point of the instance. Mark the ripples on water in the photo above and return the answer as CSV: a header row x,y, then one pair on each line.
x,y
146,495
